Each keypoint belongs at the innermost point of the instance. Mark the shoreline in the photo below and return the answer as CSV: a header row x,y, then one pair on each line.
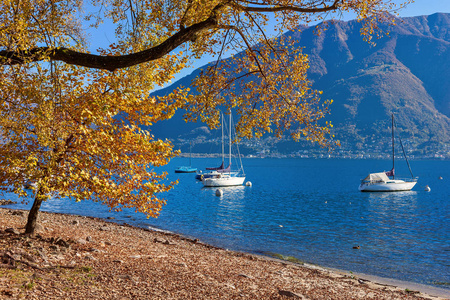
x,y
193,258
404,285
397,283
319,156
414,286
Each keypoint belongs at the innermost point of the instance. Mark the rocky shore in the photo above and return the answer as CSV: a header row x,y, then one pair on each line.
x,y
74,257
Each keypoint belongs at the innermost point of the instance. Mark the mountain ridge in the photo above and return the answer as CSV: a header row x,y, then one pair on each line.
x,y
406,73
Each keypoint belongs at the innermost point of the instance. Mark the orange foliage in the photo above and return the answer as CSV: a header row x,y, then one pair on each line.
x,y
60,108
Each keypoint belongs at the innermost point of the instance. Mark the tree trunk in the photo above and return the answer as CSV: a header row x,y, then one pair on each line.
x,y
34,212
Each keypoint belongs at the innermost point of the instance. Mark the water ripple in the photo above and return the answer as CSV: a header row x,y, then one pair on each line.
x,y
312,210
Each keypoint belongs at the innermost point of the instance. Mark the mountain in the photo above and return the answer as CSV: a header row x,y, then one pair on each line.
x,y
407,72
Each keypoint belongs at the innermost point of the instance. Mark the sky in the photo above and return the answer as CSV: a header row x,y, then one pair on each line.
x,y
418,8
425,7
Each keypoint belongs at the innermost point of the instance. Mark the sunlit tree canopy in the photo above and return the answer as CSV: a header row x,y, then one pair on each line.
x,y
74,119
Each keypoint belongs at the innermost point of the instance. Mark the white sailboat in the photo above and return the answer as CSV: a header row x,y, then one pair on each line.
x,y
214,171
380,182
226,177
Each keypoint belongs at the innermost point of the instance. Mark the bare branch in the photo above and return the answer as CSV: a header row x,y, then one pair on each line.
x,y
110,63
277,8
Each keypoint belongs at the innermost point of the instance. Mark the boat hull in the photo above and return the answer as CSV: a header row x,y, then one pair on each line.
x,y
223,181
212,174
390,186
186,170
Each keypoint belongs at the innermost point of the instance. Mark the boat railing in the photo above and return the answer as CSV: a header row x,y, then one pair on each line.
x,y
369,182
408,179
381,181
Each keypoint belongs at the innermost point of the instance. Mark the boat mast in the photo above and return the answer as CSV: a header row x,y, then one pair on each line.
x,y
223,149
393,149
406,157
229,146
190,154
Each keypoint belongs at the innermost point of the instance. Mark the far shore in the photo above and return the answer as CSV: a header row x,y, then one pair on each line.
x,y
320,155
77,257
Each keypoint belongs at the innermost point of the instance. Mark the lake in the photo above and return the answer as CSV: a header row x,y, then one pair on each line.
x,y
311,210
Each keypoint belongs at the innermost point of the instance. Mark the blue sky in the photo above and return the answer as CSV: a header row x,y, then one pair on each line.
x,y
419,7
425,7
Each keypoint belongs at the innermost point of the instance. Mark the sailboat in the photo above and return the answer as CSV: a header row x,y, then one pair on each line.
x,y
214,171
225,177
187,169
211,172
380,182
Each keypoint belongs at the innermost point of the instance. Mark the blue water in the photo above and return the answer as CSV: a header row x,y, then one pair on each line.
x,y
312,210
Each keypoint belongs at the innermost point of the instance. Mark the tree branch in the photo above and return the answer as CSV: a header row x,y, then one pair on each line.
x,y
110,63
276,8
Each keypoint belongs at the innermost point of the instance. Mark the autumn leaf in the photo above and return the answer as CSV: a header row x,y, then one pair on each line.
x,y
78,124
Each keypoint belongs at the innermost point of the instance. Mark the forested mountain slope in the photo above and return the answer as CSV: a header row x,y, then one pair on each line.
x,y
407,72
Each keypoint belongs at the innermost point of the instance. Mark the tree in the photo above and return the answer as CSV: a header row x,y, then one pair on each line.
x,y
73,122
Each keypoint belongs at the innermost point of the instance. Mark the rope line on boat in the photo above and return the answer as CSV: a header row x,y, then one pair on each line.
x,y
404,153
